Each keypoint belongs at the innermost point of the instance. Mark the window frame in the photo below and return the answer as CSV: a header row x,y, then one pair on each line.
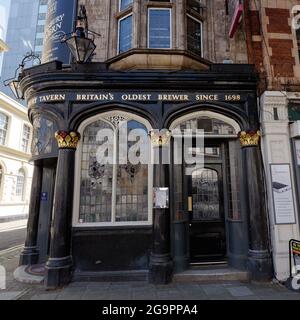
x,y
201,23
78,168
21,196
8,128
119,26
148,27
125,8
22,136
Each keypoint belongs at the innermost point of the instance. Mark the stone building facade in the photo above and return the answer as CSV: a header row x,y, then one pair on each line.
x,y
273,42
15,169
229,68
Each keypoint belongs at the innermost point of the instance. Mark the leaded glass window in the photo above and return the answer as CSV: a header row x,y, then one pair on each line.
x,y
117,192
211,126
96,179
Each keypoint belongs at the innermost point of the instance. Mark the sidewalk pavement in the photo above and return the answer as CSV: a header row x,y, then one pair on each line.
x,y
140,290
13,225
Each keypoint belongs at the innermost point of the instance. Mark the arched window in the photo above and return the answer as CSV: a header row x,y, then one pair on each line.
x,y
117,192
20,186
211,126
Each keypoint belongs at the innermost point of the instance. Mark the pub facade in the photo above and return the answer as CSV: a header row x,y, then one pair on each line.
x,y
156,72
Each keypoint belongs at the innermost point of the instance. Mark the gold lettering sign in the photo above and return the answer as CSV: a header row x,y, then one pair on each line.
x,y
137,96
52,97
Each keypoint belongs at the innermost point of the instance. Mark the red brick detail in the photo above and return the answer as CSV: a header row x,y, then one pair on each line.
x,y
278,20
282,59
255,23
258,54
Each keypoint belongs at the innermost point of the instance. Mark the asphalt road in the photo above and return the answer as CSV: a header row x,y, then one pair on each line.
x,y
12,238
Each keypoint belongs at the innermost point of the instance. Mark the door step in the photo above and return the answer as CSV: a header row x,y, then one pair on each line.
x,y
212,274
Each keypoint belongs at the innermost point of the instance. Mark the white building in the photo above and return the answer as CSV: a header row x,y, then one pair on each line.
x,y
15,169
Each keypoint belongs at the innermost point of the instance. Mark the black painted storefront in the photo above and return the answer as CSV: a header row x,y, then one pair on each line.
x,y
53,93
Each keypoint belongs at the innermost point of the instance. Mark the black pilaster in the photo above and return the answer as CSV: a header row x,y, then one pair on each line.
x,y
161,266
259,257
30,252
59,264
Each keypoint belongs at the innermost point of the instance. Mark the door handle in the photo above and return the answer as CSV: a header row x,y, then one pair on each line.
x,y
190,203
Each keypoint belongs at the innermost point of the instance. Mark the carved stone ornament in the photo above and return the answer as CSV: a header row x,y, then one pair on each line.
x,y
160,138
67,140
116,119
249,138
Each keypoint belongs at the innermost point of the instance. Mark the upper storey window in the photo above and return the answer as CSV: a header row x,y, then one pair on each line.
x,y
195,6
159,28
194,35
125,33
3,128
125,3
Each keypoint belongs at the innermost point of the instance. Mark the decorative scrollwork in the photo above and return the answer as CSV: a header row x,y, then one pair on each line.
x,y
116,119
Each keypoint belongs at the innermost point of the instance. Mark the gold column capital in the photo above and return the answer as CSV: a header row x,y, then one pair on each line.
x,y
249,138
160,138
67,139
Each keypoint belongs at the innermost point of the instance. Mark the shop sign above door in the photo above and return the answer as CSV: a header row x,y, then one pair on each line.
x,y
139,97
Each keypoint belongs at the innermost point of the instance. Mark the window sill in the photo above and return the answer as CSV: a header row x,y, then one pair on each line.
x,y
124,12
111,225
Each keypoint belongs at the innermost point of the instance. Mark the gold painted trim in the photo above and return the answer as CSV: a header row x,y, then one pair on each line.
x,y
67,140
190,203
160,138
249,138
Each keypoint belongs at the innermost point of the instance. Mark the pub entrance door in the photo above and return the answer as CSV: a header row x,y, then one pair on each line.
x,y
205,196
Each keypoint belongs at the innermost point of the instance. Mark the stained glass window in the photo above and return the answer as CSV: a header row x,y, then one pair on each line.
x,y
117,192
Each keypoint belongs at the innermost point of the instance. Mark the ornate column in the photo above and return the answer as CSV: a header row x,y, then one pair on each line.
x,y
30,252
259,257
59,264
160,266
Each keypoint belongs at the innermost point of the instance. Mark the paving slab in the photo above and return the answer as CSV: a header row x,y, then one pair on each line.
x,y
241,291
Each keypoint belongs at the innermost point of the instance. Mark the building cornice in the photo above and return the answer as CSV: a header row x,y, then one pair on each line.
x,y
94,75
13,106
20,155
